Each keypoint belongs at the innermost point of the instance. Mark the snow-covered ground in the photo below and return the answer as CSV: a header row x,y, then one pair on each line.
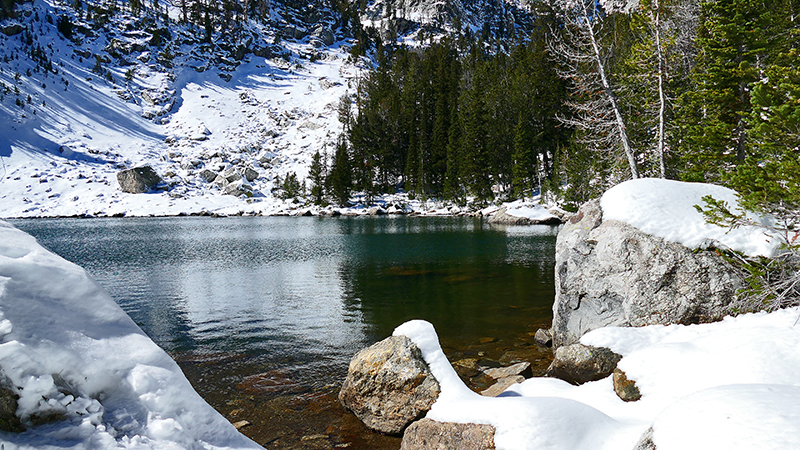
x,y
728,385
82,366
61,150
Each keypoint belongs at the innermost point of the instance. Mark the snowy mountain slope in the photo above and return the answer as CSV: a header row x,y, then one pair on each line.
x,y
408,20
111,100
88,92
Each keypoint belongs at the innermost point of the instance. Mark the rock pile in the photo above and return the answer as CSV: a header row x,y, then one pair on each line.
x,y
389,387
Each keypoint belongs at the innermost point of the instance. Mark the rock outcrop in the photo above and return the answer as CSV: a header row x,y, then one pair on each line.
x,y
609,273
138,180
389,385
427,434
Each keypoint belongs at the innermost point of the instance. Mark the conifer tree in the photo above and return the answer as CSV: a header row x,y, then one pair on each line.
x,y
340,178
317,175
714,111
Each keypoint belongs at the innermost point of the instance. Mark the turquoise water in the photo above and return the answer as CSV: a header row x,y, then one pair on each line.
x,y
291,299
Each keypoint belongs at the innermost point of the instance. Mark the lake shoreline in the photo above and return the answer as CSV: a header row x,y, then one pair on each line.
x,y
253,407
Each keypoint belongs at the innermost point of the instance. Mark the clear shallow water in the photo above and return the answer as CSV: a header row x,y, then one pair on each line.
x,y
263,307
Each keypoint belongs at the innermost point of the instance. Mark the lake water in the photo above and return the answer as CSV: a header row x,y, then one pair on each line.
x,y
264,313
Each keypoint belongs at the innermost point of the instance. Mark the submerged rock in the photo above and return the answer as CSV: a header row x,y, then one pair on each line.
x,y
389,385
609,273
427,434
138,180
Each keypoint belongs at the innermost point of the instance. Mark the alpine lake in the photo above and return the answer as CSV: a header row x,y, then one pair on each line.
x,y
263,314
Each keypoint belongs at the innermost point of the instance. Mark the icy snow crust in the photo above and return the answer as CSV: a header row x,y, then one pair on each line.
x,y
731,384
70,350
665,208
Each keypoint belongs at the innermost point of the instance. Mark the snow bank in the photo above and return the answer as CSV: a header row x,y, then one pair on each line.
x,y
731,384
70,351
665,208
528,210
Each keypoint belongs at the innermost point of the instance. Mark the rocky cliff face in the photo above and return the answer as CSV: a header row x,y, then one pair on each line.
x,y
609,273
424,18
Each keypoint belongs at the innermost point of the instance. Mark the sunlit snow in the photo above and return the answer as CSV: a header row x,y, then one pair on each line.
x,y
70,352
665,208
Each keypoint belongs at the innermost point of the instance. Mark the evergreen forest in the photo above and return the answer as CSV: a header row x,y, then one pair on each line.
x,y
596,94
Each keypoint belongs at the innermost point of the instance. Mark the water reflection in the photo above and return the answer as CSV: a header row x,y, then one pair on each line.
x,y
305,294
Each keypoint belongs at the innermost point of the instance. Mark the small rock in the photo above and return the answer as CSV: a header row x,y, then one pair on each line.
x,y
208,175
427,434
578,363
646,441
517,356
510,371
241,424
467,368
314,437
389,385
543,337
376,211
250,174
487,340
232,175
12,30
626,389
501,385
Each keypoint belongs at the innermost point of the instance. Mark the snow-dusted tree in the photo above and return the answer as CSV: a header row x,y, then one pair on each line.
x,y
583,56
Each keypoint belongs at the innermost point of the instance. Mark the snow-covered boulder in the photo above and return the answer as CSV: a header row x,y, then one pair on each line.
x,y
518,213
701,386
389,385
71,357
636,258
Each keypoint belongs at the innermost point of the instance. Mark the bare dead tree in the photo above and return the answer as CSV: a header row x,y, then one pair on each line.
x,y
583,62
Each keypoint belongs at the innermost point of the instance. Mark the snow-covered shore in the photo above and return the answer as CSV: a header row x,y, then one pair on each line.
x,y
731,384
77,362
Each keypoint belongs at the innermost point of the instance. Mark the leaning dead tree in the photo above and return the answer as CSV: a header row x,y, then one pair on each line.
x,y
583,61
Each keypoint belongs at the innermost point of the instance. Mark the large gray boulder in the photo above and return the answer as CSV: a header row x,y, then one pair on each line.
x,y
427,434
138,180
389,385
611,273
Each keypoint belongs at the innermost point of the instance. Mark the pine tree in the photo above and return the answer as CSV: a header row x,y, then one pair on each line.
x,y
340,178
317,175
714,111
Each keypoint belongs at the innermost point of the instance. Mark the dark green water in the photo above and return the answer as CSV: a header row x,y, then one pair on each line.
x,y
261,303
